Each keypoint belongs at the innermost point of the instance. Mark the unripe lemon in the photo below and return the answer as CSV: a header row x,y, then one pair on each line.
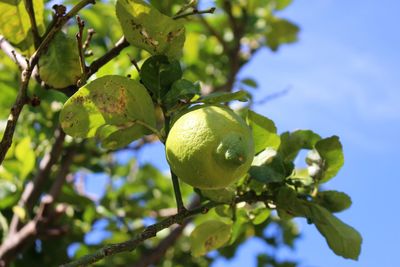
x,y
210,147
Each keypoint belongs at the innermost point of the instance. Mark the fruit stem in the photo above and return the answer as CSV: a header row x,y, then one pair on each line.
x,y
175,182
178,195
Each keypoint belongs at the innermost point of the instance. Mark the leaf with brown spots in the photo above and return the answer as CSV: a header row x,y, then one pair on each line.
x,y
208,236
147,28
108,108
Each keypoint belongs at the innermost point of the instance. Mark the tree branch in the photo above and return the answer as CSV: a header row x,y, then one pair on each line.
x,y
155,255
34,188
195,11
17,241
100,62
152,230
10,51
22,97
34,28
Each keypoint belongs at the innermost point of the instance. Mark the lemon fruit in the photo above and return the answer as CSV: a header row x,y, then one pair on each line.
x,y
210,147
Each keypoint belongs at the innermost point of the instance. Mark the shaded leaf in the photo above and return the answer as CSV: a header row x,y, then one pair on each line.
x,y
8,194
268,167
292,143
333,201
158,74
59,66
343,239
181,91
331,151
250,82
223,97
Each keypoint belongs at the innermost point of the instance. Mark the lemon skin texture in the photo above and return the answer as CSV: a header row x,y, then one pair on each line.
x,y
210,147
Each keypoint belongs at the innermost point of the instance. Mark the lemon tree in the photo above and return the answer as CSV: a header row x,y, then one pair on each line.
x,y
80,103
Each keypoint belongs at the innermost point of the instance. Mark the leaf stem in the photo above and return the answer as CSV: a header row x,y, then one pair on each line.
x,y
178,194
151,128
195,11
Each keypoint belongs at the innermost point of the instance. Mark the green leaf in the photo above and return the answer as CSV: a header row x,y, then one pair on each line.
x,y
223,97
327,158
15,25
282,4
280,32
145,27
225,195
249,82
8,194
208,236
264,132
259,214
343,239
181,91
113,108
25,154
333,201
292,143
158,74
59,66
268,167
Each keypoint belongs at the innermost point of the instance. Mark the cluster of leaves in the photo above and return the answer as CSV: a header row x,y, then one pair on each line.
x,y
181,60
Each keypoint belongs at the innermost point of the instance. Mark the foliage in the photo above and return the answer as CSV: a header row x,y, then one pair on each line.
x,y
175,57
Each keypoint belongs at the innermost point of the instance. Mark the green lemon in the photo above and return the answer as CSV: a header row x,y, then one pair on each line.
x,y
210,147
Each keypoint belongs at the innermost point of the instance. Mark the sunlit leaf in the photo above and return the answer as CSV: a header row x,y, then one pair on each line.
x,y
116,109
145,27
15,24
208,236
223,97
264,132
281,31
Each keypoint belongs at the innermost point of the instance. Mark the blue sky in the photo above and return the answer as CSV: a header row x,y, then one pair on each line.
x,y
344,78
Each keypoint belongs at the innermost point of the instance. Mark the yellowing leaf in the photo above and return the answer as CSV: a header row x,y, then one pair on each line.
x,y
208,236
113,108
145,27
15,24
26,157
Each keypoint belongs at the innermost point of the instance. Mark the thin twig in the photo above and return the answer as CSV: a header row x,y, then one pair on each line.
x,y
100,62
153,256
177,193
35,32
79,41
17,241
195,11
89,36
152,230
22,97
34,188
10,51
